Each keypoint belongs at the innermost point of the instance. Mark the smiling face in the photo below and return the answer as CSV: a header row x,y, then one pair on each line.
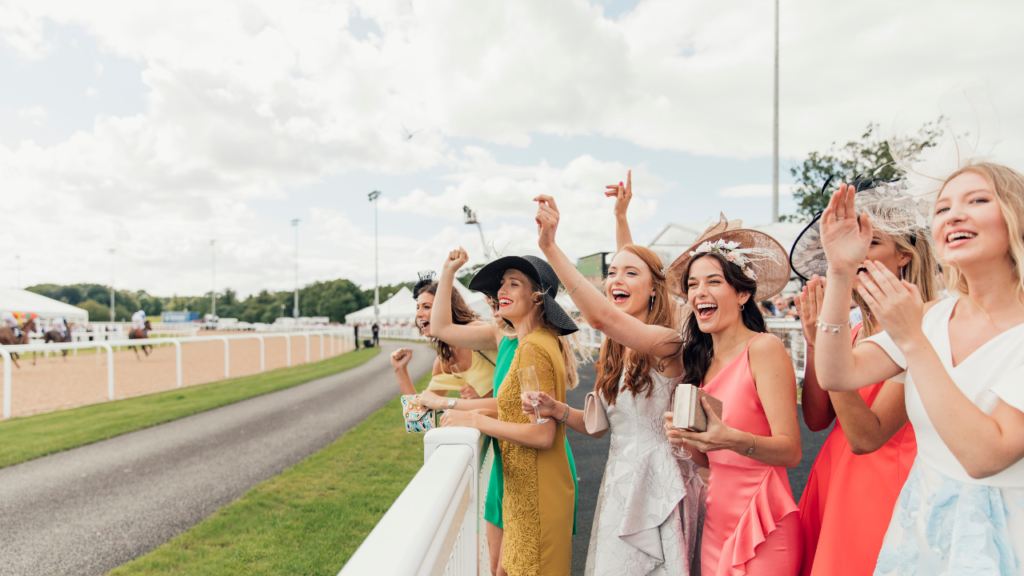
x,y
629,284
424,302
883,249
515,297
715,302
968,226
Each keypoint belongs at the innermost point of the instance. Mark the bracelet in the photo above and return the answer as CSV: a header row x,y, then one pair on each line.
x,y
835,327
564,416
452,402
753,444
569,293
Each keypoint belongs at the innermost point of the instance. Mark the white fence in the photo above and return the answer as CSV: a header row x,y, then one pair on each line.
x,y
436,525
330,341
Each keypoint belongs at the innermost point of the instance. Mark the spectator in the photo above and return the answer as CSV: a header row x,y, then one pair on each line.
x,y
376,334
766,308
355,332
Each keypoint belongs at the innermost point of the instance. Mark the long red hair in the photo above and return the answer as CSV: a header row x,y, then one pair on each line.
x,y
614,357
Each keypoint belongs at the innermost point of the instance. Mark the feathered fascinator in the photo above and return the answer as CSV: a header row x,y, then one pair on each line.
x,y
426,279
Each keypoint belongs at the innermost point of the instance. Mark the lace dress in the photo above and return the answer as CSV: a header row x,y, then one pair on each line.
x,y
539,492
650,510
946,522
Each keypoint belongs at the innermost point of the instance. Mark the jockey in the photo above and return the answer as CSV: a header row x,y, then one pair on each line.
x,y
61,326
8,319
139,320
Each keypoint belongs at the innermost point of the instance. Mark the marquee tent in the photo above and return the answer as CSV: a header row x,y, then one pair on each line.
x,y
402,308
17,300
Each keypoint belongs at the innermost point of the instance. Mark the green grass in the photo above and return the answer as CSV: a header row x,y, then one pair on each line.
x,y
308,520
30,437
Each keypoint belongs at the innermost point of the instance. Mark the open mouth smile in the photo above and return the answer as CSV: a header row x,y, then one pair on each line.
x,y
503,302
959,238
706,310
619,296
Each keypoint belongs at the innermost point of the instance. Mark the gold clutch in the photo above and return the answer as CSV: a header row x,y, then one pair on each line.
x,y
687,410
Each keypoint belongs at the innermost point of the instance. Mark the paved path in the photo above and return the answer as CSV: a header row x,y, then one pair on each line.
x,y
90,509
592,453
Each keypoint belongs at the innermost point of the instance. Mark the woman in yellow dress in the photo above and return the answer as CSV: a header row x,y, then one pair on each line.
x,y
539,491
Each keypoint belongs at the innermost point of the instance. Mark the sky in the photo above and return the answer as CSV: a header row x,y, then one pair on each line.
x,y
156,129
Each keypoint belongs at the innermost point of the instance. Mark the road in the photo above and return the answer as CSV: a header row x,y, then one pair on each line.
x,y
87,510
592,453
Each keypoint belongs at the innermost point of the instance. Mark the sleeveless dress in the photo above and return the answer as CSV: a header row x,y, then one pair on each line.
x,y
848,501
946,522
752,524
650,509
496,487
539,491
480,375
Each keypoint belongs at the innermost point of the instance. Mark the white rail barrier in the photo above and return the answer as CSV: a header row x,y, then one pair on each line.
x,y
334,334
436,525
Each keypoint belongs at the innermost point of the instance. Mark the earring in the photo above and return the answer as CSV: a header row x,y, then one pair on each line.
x,y
901,272
650,305
741,307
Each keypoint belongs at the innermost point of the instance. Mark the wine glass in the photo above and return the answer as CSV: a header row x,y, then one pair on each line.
x,y
680,451
531,385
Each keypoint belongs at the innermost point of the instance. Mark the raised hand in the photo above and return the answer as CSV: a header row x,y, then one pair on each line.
x,y
808,303
547,220
897,304
456,259
400,358
845,237
622,194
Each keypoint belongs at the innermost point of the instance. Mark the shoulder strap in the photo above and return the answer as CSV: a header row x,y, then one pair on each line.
x,y
491,362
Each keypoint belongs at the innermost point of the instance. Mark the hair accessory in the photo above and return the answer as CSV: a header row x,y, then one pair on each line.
x,y
426,278
835,327
732,252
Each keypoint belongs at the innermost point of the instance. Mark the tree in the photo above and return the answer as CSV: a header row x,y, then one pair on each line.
x,y
97,312
869,157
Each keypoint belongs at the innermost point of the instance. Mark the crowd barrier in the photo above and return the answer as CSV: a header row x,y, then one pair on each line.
x,y
328,339
438,518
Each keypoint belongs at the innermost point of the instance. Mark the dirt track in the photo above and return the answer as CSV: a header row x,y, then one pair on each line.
x,y
54,383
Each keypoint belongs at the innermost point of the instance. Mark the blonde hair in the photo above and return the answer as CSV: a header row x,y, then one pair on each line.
x,y
569,345
920,271
1008,185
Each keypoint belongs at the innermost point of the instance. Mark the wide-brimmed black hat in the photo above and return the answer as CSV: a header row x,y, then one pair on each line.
x,y
488,281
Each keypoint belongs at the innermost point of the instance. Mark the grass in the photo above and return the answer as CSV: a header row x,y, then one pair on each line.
x,y
308,520
34,436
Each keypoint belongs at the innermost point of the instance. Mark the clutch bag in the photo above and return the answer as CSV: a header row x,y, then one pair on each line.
x,y
594,416
687,410
418,418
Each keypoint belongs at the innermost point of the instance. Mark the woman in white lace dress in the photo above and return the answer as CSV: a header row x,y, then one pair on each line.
x,y
961,511
648,521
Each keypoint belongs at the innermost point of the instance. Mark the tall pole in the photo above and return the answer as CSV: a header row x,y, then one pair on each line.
x,y
213,288
775,126
295,310
376,284
111,285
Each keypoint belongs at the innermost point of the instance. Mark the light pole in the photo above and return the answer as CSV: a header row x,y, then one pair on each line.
x,y
213,289
376,296
295,310
111,285
775,125
471,219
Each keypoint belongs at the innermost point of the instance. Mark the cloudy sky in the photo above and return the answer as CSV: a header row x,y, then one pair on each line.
x,y
154,128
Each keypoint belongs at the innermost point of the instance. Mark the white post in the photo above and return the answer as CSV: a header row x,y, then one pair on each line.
x,y
110,370
177,345
307,346
227,358
7,382
321,345
263,355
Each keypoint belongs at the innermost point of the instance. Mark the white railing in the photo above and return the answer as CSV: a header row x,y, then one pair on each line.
x,y
329,339
792,335
436,525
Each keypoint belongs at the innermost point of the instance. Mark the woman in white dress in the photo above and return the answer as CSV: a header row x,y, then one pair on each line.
x,y
961,511
647,520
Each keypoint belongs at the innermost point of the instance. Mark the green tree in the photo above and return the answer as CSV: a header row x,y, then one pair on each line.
x,y
97,312
869,157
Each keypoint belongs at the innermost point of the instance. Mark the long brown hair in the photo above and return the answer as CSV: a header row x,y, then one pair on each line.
x,y
615,357
461,314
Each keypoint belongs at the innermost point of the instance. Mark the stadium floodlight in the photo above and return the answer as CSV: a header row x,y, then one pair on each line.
x,y
295,310
470,218
376,284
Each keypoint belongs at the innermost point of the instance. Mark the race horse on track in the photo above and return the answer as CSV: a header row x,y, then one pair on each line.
x,y
58,337
141,333
9,337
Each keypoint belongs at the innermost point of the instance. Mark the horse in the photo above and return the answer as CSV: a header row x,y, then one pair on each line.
x,y
59,338
141,333
8,337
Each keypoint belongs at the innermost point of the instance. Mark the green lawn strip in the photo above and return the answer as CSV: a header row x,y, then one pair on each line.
x,y
308,520
30,437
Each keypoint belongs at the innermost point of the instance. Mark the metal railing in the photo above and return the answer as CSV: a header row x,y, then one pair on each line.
x,y
438,518
333,336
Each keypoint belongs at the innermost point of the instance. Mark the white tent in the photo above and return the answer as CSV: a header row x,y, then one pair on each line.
x,y
17,300
402,308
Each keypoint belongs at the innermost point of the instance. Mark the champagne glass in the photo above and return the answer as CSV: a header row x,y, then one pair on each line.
x,y
531,385
680,451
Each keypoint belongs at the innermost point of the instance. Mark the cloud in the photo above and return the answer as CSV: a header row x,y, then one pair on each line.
x,y
34,114
91,92
755,191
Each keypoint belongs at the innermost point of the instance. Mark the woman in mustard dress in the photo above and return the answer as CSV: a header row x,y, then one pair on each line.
x,y
539,490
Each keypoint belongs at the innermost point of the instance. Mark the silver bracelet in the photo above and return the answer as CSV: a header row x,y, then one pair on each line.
x,y
564,416
452,402
569,293
835,327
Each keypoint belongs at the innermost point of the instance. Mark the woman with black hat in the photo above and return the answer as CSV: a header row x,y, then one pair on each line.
x,y
540,493
751,526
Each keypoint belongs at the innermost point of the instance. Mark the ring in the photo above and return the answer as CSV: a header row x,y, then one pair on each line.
x,y
838,218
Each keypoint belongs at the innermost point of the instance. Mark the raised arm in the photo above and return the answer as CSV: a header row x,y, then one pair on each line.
x,y
472,337
657,341
814,402
846,239
622,195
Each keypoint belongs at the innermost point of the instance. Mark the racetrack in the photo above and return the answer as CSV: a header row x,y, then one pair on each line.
x,y
55,382
90,509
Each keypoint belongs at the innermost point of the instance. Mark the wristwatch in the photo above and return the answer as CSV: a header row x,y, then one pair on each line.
x,y
452,401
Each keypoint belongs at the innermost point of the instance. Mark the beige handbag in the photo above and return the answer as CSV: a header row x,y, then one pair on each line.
x,y
594,416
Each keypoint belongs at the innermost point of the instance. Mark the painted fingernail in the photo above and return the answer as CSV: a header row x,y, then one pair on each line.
x,y
620,183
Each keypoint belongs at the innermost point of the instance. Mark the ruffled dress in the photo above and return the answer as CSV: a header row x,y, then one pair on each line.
x,y
650,509
946,522
848,501
752,525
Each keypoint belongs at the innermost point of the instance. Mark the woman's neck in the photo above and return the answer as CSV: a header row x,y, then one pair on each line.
x,y
993,288
526,326
727,338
